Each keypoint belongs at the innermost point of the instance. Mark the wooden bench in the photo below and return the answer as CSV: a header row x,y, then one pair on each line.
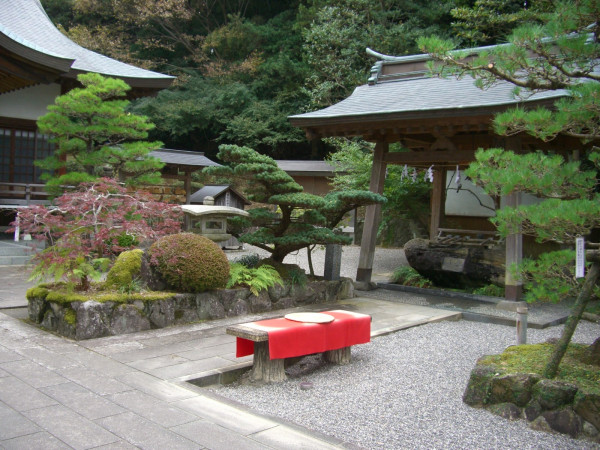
x,y
272,341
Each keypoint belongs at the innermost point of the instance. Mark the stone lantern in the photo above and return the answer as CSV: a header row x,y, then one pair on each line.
x,y
210,220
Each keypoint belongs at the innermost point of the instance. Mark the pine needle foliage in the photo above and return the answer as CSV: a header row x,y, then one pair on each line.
x,y
301,219
562,53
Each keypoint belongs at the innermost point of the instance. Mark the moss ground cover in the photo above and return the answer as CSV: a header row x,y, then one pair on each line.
x,y
532,358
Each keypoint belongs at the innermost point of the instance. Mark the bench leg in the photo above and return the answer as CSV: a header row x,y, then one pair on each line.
x,y
264,368
340,356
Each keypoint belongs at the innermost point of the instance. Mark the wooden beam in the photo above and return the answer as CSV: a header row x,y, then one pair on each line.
x,y
372,215
432,157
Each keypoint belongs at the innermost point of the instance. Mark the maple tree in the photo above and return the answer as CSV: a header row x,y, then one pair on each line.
x,y
87,228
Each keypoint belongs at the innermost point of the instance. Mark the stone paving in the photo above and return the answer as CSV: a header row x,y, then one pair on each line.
x,y
130,391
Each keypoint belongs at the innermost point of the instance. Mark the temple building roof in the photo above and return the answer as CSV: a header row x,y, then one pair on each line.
x,y
400,89
33,51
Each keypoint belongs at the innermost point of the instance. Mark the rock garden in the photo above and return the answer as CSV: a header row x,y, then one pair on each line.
x,y
180,279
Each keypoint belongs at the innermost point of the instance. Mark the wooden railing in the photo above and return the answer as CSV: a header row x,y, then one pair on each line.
x,y
22,194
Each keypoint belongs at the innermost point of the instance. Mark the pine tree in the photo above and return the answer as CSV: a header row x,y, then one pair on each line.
x,y
96,137
291,219
562,53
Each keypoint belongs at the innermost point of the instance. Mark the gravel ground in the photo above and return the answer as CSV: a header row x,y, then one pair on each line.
x,y
405,390
385,262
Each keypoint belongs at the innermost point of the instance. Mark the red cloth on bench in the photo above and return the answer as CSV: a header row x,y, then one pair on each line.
x,y
288,338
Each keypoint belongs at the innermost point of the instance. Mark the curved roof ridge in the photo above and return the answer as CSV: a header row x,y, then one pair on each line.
x,y
27,24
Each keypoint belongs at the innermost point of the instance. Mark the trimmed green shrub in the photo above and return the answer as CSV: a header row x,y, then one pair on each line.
x,y
189,262
125,269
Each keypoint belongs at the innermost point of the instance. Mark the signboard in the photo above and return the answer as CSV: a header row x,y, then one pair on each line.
x,y
580,258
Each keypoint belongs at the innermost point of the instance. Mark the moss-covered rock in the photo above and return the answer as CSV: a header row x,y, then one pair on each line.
x,y
513,388
479,387
126,268
552,394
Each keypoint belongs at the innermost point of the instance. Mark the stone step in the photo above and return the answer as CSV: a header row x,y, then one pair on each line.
x,y
14,260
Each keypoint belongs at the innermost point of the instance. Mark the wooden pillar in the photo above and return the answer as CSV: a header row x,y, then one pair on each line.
x,y
372,216
513,287
437,201
188,187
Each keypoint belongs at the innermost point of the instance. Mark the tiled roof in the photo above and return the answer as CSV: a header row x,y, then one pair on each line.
x,y
25,24
298,167
214,191
183,157
416,97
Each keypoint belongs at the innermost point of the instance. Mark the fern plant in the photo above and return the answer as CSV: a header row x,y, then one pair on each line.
x,y
256,279
408,276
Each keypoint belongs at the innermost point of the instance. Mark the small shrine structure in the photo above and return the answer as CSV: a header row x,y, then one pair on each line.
x,y
441,122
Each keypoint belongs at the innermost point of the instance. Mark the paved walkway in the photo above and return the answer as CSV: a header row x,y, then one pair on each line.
x,y
131,391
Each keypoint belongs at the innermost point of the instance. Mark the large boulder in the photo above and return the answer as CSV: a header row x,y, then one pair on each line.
x,y
588,407
552,394
455,265
513,388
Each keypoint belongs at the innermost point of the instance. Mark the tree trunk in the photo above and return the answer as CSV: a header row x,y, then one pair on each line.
x,y
560,349
310,263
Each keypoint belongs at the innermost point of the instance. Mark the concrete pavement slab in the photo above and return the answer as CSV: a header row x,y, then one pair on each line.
x,y
152,409
145,434
95,381
70,427
216,437
156,387
14,424
160,361
189,368
83,401
233,418
33,373
22,397
41,440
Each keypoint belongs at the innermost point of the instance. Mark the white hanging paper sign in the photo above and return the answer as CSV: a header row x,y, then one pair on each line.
x,y
404,173
429,175
580,258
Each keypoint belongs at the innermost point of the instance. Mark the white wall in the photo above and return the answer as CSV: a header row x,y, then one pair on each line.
x,y
466,201
29,103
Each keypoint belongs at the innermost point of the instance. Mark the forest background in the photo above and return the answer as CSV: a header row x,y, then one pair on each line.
x,y
244,66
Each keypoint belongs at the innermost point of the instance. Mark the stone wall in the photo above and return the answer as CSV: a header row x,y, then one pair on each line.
x,y
92,319
548,405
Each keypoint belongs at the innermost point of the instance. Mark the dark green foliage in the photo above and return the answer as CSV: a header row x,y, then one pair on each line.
x,y
408,276
561,53
301,219
250,260
407,201
189,262
490,290
94,134
256,279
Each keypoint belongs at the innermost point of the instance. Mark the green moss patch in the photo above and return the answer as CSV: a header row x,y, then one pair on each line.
x,y
533,358
63,296
37,292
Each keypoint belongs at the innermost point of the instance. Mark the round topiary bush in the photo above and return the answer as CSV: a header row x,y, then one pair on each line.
x,y
189,262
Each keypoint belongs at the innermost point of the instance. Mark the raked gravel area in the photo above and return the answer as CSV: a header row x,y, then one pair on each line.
x,y
404,391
